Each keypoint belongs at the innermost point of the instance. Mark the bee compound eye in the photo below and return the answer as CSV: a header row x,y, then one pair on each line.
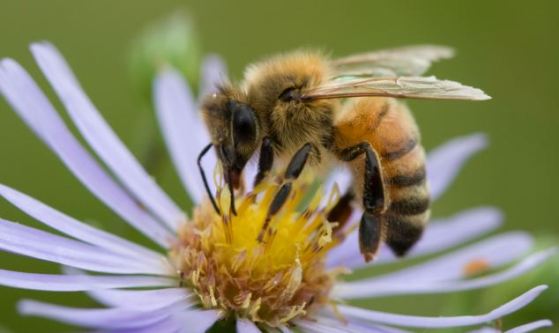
x,y
244,124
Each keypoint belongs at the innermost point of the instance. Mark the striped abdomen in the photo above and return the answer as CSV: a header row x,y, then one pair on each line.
x,y
391,130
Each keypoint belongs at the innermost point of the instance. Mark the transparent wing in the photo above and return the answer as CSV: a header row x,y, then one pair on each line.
x,y
400,87
405,61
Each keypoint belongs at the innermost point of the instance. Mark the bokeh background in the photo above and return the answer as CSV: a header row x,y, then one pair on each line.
x,y
509,49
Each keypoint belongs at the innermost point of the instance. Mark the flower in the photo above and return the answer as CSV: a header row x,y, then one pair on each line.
x,y
204,269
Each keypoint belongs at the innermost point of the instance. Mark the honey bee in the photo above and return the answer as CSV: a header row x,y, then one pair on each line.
x,y
305,107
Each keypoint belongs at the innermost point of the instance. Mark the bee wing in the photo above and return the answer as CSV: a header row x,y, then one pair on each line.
x,y
405,61
400,87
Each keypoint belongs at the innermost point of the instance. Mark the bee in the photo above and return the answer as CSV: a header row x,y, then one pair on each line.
x,y
304,107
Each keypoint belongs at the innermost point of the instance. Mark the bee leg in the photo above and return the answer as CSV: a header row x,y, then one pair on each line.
x,y
293,171
265,161
369,235
370,227
341,212
204,178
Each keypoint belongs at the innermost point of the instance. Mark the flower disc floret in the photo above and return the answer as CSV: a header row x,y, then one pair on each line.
x,y
266,272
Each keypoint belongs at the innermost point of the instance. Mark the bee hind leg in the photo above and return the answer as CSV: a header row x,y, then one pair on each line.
x,y
371,226
293,171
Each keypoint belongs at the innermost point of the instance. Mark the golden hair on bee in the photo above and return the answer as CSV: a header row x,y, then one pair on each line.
x,y
273,85
304,107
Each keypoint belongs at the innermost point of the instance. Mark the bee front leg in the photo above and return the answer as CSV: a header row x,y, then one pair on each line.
x,y
293,171
265,161
370,227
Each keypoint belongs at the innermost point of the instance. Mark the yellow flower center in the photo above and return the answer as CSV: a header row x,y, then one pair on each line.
x,y
266,272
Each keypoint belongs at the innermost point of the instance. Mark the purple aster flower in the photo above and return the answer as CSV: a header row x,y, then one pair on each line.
x,y
201,270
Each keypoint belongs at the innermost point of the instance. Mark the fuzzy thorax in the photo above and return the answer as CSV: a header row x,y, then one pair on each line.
x,y
268,281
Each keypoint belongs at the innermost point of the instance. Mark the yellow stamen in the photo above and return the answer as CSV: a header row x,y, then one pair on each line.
x,y
271,280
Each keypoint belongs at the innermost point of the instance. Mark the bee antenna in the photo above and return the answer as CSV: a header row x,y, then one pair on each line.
x,y
205,180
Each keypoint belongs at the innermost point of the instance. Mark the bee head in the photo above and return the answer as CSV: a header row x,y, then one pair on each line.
x,y
234,129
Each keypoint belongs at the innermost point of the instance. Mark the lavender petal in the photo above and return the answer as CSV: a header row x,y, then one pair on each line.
x,y
531,327
214,72
341,176
440,322
365,289
101,137
77,229
54,282
444,163
183,131
486,329
440,235
114,318
285,329
34,108
356,326
250,170
142,299
492,253
38,244
197,321
308,326
167,325
246,326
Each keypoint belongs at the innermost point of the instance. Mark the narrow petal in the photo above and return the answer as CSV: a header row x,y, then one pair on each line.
x,y
77,229
167,325
101,137
197,321
440,322
182,321
114,318
34,108
486,329
491,253
530,327
444,163
146,300
285,329
364,289
214,72
54,282
439,236
38,244
183,131
179,321
340,176
308,326
455,230
246,326
356,326
250,170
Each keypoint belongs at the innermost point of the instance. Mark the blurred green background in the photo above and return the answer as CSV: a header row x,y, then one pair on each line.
x,y
509,49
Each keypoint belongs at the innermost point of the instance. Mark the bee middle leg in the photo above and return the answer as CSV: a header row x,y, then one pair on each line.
x,y
370,227
294,169
265,161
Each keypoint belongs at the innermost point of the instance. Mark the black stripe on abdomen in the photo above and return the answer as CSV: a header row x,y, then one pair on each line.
x,y
411,205
416,178
402,233
398,153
